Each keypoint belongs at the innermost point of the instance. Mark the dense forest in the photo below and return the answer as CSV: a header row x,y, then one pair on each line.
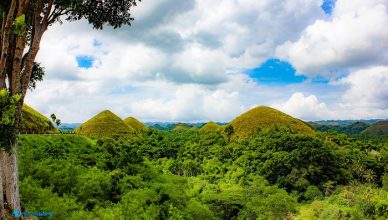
x,y
275,173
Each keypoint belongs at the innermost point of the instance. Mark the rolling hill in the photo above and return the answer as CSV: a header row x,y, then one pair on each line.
x,y
181,127
210,127
379,128
35,123
135,124
105,124
263,117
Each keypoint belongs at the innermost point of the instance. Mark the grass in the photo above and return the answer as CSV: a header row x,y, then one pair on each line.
x,y
35,123
380,127
210,127
135,124
181,127
264,117
105,124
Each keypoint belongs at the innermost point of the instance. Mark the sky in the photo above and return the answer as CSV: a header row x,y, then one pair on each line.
x,y
201,60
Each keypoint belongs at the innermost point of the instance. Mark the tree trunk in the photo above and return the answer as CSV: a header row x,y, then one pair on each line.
x,y
11,174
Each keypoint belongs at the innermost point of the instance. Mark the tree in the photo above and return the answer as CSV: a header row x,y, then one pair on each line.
x,y
22,25
53,117
369,176
58,122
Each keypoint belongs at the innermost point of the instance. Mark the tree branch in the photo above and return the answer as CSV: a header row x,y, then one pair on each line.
x,y
19,49
38,28
48,12
6,38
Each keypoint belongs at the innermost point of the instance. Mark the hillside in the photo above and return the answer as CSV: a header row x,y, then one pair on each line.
x,y
135,124
265,117
378,128
210,127
352,129
181,127
105,124
35,123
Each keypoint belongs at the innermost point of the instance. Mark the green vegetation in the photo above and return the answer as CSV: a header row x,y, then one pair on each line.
x,y
211,127
105,124
263,117
181,127
8,110
135,124
379,128
275,172
350,202
35,123
352,129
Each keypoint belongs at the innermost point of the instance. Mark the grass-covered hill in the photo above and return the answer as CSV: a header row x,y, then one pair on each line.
x,y
264,117
105,124
354,128
135,124
181,127
35,123
379,128
210,127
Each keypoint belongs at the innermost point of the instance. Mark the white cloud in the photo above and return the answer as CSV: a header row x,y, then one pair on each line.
x,y
368,88
356,36
365,97
304,107
182,61
190,103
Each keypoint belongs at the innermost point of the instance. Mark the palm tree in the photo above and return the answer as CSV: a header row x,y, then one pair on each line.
x,y
369,176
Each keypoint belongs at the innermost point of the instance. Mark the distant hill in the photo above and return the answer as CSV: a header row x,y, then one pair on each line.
x,y
211,126
70,125
181,127
105,124
194,129
354,128
170,125
135,124
344,123
35,123
265,117
379,128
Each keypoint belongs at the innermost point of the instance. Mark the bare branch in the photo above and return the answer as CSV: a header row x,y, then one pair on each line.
x,y
47,14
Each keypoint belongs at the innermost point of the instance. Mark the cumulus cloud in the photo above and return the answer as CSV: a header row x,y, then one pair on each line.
x,y
147,101
183,60
304,107
367,91
190,103
365,97
194,41
354,37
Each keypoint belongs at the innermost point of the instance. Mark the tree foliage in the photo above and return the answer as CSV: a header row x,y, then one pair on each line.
x,y
7,119
204,175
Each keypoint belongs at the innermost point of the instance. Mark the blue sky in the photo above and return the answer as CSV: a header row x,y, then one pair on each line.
x,y
275,71
200,60
85,61
328,6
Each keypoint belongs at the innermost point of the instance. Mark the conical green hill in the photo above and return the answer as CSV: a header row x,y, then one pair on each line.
x,y
35,123
211,126
380,128
135,124
181,127
264,117
105,124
